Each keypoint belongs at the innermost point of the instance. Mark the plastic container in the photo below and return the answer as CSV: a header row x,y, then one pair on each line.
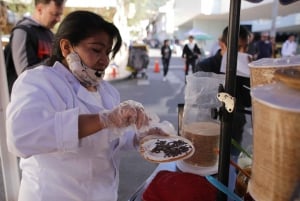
x,y
198,125
276,142
205,137
262,70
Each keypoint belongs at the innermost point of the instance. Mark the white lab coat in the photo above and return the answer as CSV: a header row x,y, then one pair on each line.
x,y
42,128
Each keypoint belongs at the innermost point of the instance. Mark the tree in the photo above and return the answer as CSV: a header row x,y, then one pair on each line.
x,y
145,9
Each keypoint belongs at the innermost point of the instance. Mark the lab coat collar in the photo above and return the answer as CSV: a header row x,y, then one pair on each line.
x,y
85,96
82,93
63,71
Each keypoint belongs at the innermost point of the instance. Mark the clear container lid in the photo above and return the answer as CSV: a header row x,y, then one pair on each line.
x,y
276,62
278,95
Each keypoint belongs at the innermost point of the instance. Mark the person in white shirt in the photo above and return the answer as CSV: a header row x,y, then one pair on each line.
x,y
289,47
67,124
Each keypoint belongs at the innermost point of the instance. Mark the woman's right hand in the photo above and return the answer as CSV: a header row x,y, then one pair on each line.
x,y
126,114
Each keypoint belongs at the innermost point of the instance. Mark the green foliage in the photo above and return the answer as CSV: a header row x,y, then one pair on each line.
x,y
18,7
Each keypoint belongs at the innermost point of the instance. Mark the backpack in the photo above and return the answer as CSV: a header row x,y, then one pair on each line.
x,y
9,63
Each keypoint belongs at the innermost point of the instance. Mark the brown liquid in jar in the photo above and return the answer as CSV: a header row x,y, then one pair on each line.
x,y
205,137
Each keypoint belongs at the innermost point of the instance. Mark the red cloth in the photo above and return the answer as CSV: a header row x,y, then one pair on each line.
x,y
179,186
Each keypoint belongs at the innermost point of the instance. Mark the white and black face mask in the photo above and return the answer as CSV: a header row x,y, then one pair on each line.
x,y
87,76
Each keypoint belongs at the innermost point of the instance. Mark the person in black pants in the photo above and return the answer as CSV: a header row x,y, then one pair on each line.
x,y
166,53
190,53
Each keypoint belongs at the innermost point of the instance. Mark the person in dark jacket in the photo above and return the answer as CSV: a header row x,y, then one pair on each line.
x,y
166,53
264,46
211,64
32,45
190,53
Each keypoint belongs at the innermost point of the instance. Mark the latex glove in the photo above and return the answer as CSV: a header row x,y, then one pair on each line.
x,y
126,114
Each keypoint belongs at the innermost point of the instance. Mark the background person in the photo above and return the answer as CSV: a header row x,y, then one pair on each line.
x,y
264,46
190,53
166,54
252,48
32,44
213,63
243,99
217,64
67,124
289,47
242,94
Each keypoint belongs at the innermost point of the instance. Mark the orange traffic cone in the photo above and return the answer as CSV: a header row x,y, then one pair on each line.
x,y
156,66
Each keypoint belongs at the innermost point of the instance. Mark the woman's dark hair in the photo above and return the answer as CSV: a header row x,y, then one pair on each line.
x,y
80,25
243,34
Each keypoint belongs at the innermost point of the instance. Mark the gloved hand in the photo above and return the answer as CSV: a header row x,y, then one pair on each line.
x,y
126,114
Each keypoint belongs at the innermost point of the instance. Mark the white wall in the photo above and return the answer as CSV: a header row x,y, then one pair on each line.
x,y
281,22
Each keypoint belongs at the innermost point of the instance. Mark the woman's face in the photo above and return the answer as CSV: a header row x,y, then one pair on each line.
x,y
95,51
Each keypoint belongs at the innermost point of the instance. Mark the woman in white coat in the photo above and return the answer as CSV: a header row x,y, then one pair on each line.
x,y
66,124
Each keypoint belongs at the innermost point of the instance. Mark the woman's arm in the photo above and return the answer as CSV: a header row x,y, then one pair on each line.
x,y
89,124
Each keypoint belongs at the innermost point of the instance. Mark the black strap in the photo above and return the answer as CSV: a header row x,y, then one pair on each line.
x,y
10,67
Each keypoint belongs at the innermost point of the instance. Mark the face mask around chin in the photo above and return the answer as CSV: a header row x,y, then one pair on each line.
x,y
86,75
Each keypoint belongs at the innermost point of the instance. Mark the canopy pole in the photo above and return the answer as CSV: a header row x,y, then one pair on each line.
x,y
274,17
230,77
10,169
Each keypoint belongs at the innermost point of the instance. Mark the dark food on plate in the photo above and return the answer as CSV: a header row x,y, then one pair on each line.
x,y
171,149
166,149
